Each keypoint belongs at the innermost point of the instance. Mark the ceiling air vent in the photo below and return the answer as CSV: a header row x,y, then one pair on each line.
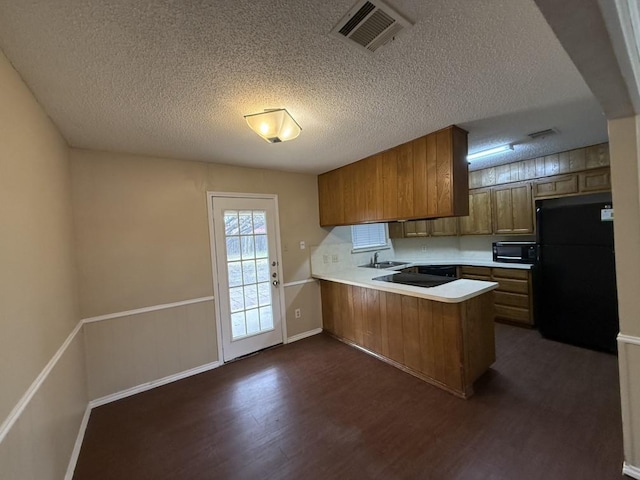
x,y
542,133
370,24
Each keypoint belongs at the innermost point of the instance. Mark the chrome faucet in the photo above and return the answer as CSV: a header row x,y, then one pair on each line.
x,y
375,258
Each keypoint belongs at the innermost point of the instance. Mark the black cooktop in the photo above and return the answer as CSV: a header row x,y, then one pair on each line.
x,y
416,279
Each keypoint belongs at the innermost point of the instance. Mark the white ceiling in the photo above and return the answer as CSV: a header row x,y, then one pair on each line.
x,y
172,78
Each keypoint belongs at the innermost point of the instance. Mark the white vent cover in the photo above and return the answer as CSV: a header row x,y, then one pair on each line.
x,y
370,24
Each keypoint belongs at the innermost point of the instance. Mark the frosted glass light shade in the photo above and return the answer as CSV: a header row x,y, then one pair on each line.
x,y
274,125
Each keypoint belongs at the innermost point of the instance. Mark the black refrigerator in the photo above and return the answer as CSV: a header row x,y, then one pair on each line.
x,y
575,279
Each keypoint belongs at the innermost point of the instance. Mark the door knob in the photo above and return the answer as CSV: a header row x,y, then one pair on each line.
x,y
275,283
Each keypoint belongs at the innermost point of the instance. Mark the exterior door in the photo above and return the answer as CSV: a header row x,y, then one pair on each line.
x,y
247,274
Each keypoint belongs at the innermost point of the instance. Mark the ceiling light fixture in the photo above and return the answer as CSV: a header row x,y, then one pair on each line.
x,y
274,125
491,151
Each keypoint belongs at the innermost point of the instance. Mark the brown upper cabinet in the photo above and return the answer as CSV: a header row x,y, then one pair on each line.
x,y
478,222
438,227
425,178
588,181
512,209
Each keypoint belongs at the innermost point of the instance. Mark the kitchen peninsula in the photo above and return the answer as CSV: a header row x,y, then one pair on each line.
x,y
443,335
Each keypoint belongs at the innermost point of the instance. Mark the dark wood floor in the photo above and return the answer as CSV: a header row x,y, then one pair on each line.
x,y
319,409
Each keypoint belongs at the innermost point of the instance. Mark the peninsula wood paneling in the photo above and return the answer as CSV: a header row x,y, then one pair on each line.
x,y
431,340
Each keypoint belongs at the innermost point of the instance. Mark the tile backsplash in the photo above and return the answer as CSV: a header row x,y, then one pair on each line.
x,y
334,253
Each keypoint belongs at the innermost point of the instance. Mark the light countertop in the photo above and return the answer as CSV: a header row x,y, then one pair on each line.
x,y
466,263
452,292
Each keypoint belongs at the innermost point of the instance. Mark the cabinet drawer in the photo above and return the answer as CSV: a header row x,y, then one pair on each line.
x,y
485,271
484,278
513,286
511,273
513,314
511,299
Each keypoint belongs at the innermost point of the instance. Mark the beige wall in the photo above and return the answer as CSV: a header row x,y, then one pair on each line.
x,y
142,230
142,239
40,443
129,351
38,297
624,138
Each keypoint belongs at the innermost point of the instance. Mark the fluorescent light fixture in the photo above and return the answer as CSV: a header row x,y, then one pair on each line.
x,y
491,151
274,125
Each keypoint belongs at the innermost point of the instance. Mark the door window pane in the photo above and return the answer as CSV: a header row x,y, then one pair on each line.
x,y
263,270
236,297
262,248
235,274
253,321
249,271
264,294
238,327
246,223
250,296
231,223
266,318
233,248
248,250
259,222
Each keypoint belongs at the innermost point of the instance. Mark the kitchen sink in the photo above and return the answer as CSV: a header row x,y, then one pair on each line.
x,y
388,264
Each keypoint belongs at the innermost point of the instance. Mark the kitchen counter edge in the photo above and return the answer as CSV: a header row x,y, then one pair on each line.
x,y
453,292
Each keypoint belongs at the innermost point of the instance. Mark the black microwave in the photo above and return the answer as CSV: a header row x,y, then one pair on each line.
x,y
515,252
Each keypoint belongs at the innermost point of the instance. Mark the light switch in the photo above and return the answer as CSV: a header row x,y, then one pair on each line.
x,y
302,245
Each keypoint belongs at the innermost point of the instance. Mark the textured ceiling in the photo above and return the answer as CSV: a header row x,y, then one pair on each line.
x,y
173,78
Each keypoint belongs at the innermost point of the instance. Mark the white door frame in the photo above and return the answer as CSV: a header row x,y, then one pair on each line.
x,y
212,243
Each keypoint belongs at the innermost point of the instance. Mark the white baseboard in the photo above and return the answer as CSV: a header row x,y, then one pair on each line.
x,y
153,384
302,335
631,471
78,445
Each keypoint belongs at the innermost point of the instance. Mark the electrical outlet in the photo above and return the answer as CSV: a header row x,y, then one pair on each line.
x,y
424,248
302,245
334,258
325,258
298,313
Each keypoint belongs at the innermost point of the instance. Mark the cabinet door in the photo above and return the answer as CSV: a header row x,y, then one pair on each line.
x,y
595,180
369,180
405,180
330,191
478,222
512,209
442,227
555,186
349,193
396,230
415,228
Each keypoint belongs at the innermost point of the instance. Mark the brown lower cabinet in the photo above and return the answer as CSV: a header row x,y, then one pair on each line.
x,y
513,298
446,344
